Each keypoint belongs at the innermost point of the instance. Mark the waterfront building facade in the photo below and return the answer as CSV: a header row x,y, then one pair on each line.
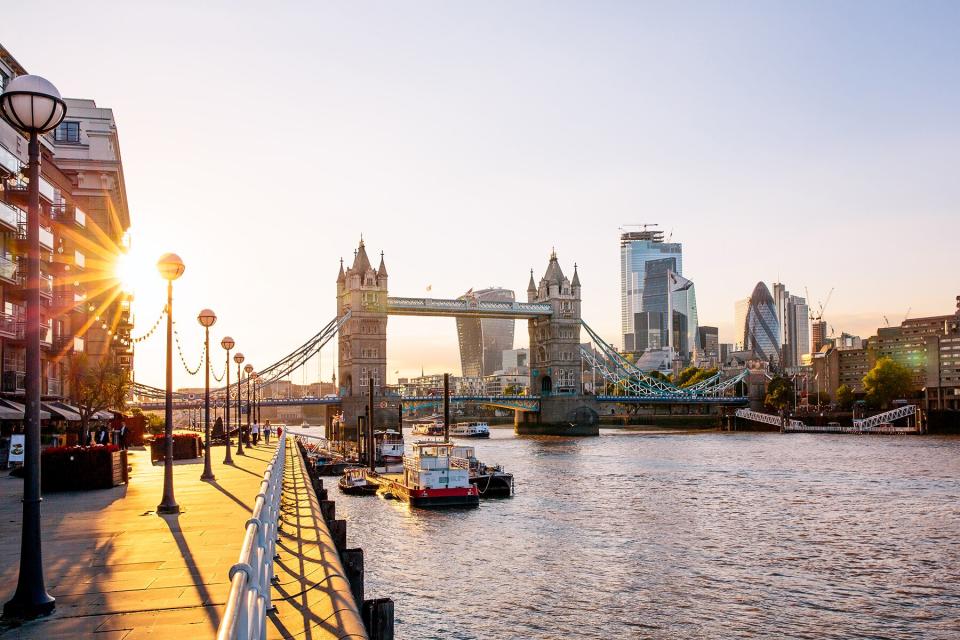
x,y
482,342
709,346
818,335
84,218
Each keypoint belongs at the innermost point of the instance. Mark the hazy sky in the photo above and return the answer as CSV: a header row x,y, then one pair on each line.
x,y
817,142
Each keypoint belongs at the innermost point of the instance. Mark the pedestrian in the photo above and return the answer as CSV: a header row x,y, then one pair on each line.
x,y
266,432
256,433
101,434
123,436
279,432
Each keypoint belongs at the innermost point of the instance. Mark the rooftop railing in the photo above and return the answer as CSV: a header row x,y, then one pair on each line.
x,y
245,615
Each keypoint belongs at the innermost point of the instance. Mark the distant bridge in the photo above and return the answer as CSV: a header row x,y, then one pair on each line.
x,y
879,423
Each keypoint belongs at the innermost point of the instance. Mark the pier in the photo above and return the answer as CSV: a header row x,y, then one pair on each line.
x,y
120,571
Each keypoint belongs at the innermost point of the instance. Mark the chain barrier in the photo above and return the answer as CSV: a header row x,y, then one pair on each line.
x,y
192,372
153,329
214,373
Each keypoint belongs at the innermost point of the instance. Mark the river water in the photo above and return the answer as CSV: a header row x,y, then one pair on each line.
x,y
709,535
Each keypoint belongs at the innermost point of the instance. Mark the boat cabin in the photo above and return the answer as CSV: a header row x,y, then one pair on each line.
x,y
433,465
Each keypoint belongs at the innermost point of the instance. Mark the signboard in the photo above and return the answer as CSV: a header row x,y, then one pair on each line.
x,y
18,443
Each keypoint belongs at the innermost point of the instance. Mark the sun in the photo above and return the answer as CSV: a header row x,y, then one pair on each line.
x,y
134,270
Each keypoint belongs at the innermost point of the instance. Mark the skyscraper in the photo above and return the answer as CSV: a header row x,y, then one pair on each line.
x,y
482,342
636,249
762,326
793,316
740,308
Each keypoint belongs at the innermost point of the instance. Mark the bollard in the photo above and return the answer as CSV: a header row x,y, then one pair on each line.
x,y
377,617
338,531
322,495
353,566
329,509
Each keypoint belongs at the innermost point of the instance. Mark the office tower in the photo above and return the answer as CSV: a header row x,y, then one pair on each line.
x,y
762,328
636,249
482,342
740,308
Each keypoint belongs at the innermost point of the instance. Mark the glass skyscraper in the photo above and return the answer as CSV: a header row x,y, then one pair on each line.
x,y
482,342
645,260
636,249
761,330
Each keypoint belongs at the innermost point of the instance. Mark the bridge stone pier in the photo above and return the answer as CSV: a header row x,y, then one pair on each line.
x,y
553,314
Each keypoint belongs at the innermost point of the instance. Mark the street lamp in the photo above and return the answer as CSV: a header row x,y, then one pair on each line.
x,y
33,105
207,318
170,267
238,358
248,370
227,343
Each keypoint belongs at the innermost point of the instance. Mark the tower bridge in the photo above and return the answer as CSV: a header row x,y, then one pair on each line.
x,y
556,403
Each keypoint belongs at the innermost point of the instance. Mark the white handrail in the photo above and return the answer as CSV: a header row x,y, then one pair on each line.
x,y
245,616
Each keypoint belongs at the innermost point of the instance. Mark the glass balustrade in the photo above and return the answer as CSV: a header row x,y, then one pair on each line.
x,y
8,268
9,214
46,238
9,161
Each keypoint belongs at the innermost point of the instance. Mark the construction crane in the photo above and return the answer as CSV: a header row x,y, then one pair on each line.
x,y
907,314
887,322
822,306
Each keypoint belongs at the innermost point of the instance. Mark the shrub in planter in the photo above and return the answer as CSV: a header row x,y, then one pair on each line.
x,y
185,446
77,468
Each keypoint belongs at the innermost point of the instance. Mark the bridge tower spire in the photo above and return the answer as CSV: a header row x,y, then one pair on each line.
x,y
555,340
363,339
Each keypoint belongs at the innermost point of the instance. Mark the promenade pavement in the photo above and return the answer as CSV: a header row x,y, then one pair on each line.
x,y
120,571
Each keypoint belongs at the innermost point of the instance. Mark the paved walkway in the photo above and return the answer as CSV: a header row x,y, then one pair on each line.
x,y
120,571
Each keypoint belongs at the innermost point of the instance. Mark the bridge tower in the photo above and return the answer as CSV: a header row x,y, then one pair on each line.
x,y
362,290
555,355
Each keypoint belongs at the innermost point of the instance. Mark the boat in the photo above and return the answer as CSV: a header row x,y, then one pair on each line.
x,y
427,429
389,445
432,477
354,482
491,481
470,430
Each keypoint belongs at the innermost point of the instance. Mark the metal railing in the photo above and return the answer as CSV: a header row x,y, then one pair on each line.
x,y
886,416
245,616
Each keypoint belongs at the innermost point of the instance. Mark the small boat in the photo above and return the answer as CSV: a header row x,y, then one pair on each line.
x,y
389,446
432,477
490,481
427,429
470,430
354,482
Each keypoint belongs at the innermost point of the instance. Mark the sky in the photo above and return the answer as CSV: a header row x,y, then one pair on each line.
x,y
816,143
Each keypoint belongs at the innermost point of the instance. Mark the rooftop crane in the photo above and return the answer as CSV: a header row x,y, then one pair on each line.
x,y
907,314
822,306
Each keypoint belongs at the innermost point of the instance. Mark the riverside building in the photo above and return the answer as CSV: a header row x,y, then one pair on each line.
x,y
83,223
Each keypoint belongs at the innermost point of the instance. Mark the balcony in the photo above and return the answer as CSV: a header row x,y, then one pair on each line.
x,y
46,238
8,270
47,191
46,335
79,260
66,301
78,344
8,325
46,285
9,162
9,217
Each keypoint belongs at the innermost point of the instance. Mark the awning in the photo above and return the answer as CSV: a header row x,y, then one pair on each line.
x,y
18,408
60,412
99,415
6,413
103,415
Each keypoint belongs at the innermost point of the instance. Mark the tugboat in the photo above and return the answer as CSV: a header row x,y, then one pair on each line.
x,y
470,430
432,477
490,481
354,482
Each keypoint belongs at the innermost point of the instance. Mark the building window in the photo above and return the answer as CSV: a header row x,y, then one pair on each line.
x,y
67,132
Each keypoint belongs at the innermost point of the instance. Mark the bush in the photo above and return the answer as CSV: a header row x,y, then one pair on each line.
x,y
71,468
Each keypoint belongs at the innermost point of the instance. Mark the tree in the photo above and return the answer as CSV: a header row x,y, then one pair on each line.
x,y
887,381
658,375
510,390
95,386
699,376
779,393
845,397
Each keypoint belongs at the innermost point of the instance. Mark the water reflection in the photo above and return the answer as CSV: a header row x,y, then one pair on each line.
x,y
713,535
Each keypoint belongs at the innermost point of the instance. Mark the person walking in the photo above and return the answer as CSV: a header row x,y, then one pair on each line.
x,y
123,436
256,433
266,432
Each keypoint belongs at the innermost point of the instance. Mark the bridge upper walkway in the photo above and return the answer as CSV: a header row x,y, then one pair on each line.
x,y
467,308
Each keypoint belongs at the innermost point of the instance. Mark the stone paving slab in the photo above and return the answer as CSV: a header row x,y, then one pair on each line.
x,y
117,569
120,571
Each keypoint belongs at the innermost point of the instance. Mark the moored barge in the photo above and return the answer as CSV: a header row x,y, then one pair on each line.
x,y
432,477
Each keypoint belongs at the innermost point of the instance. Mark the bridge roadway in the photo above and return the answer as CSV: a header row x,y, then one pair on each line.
x,y
120,571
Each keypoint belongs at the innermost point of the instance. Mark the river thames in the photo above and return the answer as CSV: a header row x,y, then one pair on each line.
x,y
709,535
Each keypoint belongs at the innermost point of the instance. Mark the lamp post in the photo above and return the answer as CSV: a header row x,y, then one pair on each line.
x,y
248,369
170,267
227,343
207,318
238,358
33,105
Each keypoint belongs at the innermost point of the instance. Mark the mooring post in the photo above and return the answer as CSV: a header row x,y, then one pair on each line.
x,y
338,531
446,407
353,566
371,454
377,616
